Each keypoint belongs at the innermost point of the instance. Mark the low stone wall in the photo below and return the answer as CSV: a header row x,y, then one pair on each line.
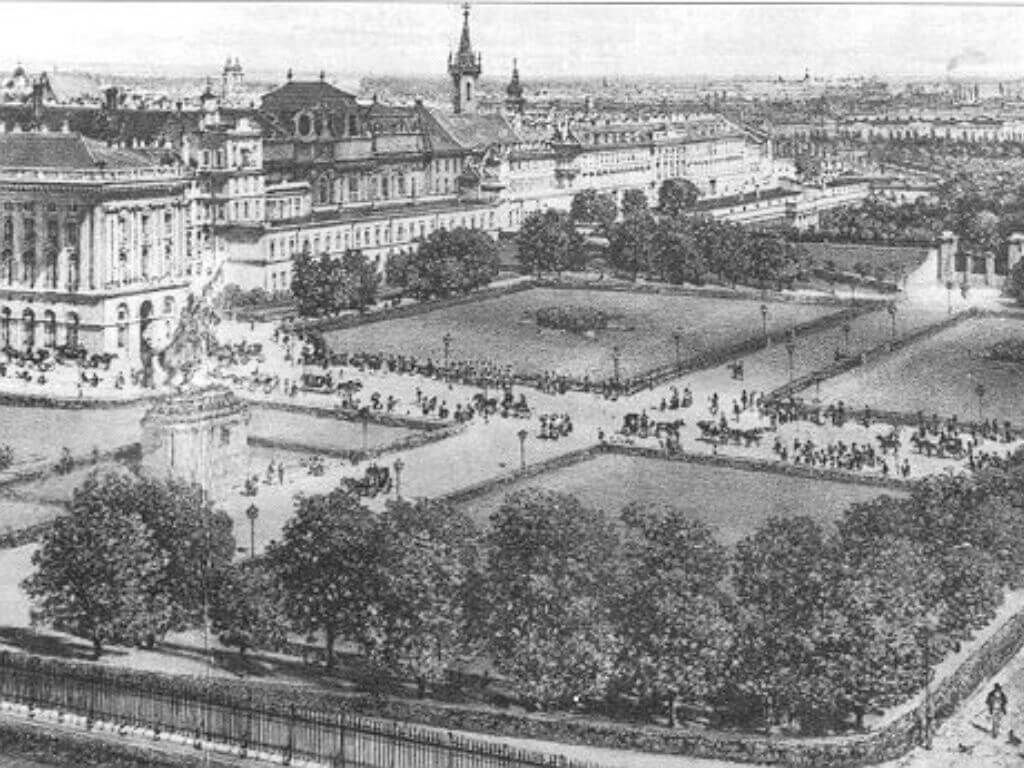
x,y
26,400
356,455
740,293
352,414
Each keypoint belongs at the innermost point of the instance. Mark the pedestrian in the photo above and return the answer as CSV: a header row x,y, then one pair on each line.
x,y
996,703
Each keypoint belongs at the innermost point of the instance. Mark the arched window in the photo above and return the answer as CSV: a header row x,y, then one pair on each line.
x,y
324,191
49,329
71,330
28,268
122,326
5,328
28,328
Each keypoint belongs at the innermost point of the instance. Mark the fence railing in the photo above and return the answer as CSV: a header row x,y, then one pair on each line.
x,y
288,734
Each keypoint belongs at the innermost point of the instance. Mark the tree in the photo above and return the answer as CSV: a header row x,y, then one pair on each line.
x,y
631,243
355,280
671,614
548,240
452,262
781,575
604,212
547,624
194,542
308,282
1015,282
249,608
676,196
676,252
582,207
96,571
430,565
329,565
396,269
634,201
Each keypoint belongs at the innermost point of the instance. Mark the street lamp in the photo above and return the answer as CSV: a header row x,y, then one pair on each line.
x,y
891,309
764,323
447,340
928,627
790,349
979,390
522,434
615,362
252,513
399,466
678,337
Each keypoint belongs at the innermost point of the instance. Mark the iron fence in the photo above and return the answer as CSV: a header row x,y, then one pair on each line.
x,y
290,732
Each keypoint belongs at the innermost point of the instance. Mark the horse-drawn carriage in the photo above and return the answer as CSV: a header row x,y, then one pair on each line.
x,y
375,480
716,432
944,446
889,442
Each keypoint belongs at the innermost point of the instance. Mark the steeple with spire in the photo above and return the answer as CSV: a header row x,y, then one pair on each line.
x,y
464,68
514,101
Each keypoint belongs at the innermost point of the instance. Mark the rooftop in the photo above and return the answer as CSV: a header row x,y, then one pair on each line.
x,y
68,151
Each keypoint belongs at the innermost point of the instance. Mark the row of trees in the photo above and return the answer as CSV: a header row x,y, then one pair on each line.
x,y
322,285
796,623
680,249
447,263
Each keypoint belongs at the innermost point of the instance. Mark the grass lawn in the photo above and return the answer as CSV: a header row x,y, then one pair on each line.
x,y
939,375
38,433
733,501
321,432
504,330
847,255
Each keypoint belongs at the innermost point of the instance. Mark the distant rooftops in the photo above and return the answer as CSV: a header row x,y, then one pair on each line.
x,y
66,151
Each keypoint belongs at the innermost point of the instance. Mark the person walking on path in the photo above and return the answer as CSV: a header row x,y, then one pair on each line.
x,y
996,703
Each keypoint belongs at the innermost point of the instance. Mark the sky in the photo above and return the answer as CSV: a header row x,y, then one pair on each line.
x,y
350,40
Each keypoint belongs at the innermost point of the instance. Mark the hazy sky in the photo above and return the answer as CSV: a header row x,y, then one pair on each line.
x,y
351,39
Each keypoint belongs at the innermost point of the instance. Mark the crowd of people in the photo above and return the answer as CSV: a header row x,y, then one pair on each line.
x,y
852,457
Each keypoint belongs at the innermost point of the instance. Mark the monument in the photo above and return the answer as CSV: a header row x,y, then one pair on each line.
x,y
198,435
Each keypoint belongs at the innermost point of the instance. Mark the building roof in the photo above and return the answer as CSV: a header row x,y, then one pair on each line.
x,y
65,151
468,131
297,94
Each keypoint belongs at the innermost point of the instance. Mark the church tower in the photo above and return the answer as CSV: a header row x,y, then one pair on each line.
x,y
514,101
464,69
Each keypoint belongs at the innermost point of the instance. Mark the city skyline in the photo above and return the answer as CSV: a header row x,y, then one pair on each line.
x,y
629,39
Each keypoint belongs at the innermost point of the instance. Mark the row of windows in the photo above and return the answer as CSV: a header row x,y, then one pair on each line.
x,y
368,237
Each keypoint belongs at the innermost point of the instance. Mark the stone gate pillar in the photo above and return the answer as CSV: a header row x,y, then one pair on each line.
x,y
1014,250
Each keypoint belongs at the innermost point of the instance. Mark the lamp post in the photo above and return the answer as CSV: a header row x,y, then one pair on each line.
x,y
365,412
764,323
399,466
846,338
522,435
677,337
447,340
979,390
927,628
891,309
252,513
790,349
615,362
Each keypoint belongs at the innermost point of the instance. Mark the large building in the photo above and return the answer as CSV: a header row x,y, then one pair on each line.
x,y
96,243
171,198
